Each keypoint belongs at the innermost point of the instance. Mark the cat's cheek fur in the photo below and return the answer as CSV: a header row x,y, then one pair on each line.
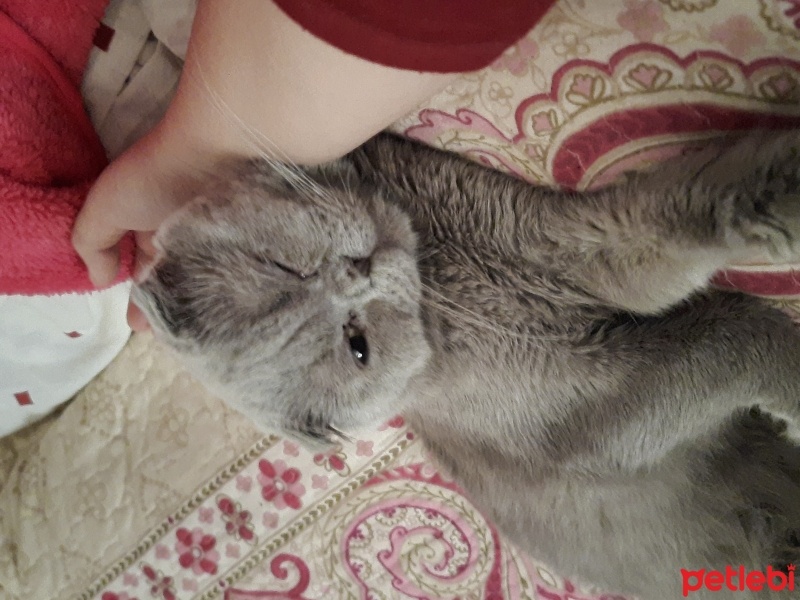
x,y
371,393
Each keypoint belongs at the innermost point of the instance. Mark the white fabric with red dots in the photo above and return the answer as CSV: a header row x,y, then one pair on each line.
x,y
51,346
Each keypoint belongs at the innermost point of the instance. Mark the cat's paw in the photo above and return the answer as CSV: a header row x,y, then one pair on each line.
x,y
760,207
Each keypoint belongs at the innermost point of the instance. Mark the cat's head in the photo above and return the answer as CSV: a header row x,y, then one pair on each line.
x,y
298,303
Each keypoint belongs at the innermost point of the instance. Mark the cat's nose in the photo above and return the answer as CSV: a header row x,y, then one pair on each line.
x,y
352,275
359,266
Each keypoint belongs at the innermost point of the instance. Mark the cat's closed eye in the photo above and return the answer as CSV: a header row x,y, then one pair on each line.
x,y
300,273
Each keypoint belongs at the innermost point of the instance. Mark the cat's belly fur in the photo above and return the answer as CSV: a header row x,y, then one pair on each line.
x,y
547,443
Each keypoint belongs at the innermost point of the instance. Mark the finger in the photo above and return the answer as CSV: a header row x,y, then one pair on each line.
x,y
145,255
121,200
136,319
144,241
95,238
97,248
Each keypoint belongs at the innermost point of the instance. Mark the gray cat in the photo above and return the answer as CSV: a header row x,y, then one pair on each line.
x,y
558,352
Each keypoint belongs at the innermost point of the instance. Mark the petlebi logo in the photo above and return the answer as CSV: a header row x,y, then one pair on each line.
x,y
738,580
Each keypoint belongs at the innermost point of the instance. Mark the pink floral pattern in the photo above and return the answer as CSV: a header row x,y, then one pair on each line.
x,y
238,522
280,484
196,551
792,11
643,18
395,422
333,461
290,448
161,586
364,448
270,519
738,34
319,482
518,59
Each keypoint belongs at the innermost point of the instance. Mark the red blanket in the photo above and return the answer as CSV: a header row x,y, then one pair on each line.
x,y
49,152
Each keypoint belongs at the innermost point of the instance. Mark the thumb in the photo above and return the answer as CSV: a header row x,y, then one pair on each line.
x,y
97,231
134,193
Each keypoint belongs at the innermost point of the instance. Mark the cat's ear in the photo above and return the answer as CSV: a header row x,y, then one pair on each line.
x,y
159,295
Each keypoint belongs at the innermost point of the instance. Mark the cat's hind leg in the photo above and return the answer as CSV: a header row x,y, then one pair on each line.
x,y
650,241
702,366
733,502
688,371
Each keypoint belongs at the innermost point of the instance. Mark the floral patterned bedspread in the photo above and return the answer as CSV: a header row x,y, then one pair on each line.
x,y
146,487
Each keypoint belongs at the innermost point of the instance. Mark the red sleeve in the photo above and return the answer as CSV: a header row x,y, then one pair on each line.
x,y
442,36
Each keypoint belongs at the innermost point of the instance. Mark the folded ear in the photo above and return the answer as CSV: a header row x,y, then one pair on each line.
x,y
157,294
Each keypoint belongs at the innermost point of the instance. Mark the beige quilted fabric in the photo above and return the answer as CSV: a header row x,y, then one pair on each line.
x,y
83,487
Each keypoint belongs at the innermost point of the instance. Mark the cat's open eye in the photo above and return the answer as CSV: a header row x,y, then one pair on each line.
x,y
357,341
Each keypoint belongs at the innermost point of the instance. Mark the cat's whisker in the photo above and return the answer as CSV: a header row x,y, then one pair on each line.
x,y
343,181
265,148
460,317
429,252
442,303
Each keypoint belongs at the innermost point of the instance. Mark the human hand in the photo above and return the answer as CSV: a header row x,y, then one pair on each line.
x,y
137,192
